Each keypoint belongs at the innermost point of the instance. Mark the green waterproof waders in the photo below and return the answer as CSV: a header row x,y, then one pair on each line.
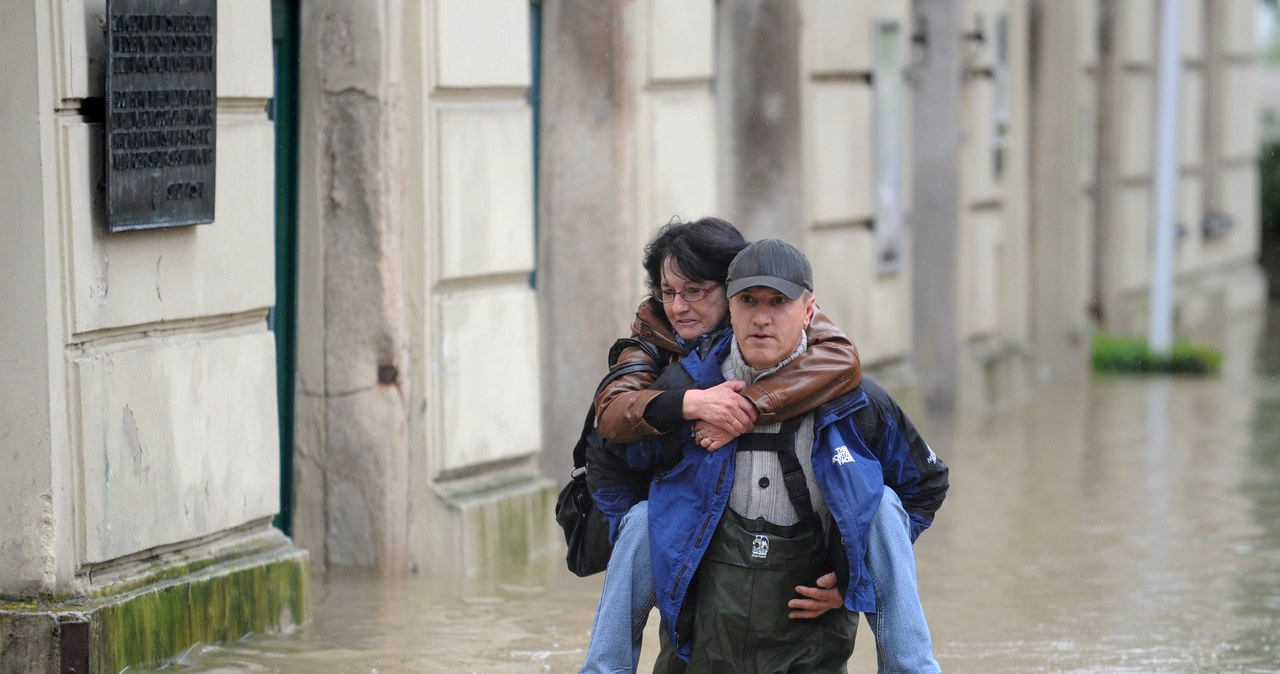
x,y
749,574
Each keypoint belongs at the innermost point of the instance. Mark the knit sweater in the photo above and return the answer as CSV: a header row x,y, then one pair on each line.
x,y
753,469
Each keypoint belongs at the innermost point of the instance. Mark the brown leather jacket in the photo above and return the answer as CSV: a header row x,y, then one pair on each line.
x,y
828,369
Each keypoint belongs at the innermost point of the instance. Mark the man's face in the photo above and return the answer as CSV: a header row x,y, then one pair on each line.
x,y
767,325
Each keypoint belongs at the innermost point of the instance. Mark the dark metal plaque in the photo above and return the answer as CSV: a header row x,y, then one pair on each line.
x,y
161,112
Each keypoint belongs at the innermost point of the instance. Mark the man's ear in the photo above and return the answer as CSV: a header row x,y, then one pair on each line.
x,y
809,305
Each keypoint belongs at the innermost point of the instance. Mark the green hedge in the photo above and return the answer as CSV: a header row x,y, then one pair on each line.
x,y
1115,353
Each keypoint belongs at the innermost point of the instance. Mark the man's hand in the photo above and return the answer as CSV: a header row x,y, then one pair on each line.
x,y
817,600
721,406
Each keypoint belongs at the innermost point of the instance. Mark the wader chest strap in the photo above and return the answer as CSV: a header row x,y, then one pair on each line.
x,y
783,443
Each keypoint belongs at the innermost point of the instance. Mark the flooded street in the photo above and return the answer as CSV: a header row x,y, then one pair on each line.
x,y
1122,524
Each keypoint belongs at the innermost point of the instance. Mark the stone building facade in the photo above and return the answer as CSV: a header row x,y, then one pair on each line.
x,y
138,419
476,181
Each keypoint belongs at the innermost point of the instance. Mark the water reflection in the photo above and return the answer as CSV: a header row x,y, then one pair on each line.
x,y
1117,525
420,625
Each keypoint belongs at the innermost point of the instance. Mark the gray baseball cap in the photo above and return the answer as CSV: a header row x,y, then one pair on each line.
x,y
772,263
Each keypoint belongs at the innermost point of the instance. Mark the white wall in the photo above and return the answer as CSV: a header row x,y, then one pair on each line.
x,y
147,368
995,223
481,158
470,253
34,497
1217,147
840,174
675,121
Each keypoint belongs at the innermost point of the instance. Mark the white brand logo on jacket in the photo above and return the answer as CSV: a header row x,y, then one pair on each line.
x,y
841,456
760,547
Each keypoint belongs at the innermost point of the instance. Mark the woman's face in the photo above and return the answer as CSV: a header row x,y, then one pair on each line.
x,y
692,319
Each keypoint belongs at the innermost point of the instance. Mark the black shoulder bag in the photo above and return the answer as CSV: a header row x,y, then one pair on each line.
x,y
586,530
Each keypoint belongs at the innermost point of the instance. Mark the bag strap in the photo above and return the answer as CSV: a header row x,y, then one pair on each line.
x,y
580,449
622,343
629,368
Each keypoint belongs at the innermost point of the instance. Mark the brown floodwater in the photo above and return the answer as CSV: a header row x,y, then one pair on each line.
x,y
1119,524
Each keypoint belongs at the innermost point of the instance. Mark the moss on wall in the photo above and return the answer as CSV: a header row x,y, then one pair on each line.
x,y
184,604
504,533
156,625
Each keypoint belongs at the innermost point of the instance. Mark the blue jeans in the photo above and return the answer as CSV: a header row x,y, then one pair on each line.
x,y
903,644
625,600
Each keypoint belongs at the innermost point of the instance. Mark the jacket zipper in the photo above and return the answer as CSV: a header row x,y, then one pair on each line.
x,y
702,530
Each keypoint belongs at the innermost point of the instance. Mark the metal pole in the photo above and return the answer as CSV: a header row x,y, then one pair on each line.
x,y
1160,328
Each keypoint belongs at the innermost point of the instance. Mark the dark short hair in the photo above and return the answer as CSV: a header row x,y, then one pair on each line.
x,y
700,250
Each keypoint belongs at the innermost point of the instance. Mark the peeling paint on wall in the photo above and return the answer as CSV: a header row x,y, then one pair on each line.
x,y
98,286
129,426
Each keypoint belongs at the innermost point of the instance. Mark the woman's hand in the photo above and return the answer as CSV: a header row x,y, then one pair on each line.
x,y
721,406
711,437
817,600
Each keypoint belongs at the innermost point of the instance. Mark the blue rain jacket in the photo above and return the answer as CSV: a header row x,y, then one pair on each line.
x,y
862,442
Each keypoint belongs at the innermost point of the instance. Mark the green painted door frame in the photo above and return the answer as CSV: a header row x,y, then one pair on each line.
x,y
284,113
535,105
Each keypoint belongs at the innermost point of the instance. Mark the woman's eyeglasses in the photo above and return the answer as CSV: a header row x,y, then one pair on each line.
x,y
689,295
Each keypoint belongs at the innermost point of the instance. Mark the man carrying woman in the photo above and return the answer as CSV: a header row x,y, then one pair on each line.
x,y
686,265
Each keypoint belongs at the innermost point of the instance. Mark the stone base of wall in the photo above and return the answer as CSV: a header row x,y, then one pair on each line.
x,y
505,530
481,534
148,622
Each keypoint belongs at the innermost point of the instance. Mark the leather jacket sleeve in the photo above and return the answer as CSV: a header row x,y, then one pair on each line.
x,y
620,406
828,369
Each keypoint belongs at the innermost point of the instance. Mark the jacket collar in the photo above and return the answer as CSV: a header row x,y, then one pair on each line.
x,y
652,326
703,362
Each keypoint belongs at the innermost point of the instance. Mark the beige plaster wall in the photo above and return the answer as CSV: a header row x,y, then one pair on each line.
x,y
177,438
760,115
994,219
34,495
480,238
195,409
587,208
675,123
353,377
1061,160
147,370
476,410
1217,146
840,175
